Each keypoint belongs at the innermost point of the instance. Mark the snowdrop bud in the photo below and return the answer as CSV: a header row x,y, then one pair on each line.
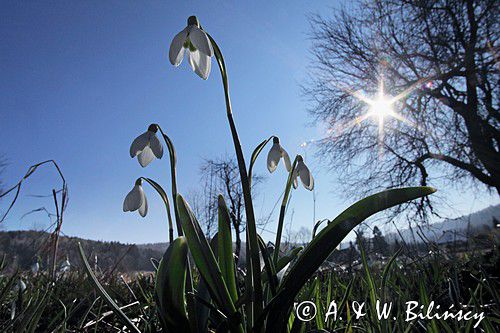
x,y
12,310
147,146
21,285
136,199
275,154
302,171
35,267
65,266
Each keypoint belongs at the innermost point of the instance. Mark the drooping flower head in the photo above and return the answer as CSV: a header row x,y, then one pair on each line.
x,y
198,46
275,154
35,267
136,200
147,146
302,171
20,285
65,266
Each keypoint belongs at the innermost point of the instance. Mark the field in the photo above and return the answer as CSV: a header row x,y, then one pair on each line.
x,y
467,281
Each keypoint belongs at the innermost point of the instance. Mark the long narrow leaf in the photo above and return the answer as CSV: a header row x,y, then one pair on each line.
x,y
170,286
205,260
327,240
225,249
100,289
255,154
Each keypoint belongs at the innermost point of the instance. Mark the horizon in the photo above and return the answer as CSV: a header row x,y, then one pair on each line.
x,y
389,236
80,81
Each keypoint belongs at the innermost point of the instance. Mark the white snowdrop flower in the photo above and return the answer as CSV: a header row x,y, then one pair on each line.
x,y
21,285
275,154
196,42
65,266
302,171
12,310
35,267
147,147
136,200
281,273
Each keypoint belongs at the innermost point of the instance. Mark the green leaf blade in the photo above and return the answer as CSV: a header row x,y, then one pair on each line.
x,y
328,239
225,249
170,286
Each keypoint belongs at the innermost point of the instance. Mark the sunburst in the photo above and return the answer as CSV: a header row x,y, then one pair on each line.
x,y
380,107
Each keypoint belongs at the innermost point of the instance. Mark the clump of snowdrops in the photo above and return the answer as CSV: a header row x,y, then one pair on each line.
x,y
264,302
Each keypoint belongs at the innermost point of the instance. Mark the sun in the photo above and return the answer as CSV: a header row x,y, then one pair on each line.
x,y
381,107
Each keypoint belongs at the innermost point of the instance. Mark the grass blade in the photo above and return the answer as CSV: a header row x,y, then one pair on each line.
x,y
100,289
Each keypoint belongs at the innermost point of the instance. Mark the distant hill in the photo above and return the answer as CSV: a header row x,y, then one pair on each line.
x,y
23,247
450,230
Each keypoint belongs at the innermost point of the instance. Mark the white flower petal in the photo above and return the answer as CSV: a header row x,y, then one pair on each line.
x,y
311,182
194,59
145,157
200,40
21,285
200,63
281,273
156,146
176,52
139,144
133,200
273,157
286,159
295,175
305,176
143,210
204,67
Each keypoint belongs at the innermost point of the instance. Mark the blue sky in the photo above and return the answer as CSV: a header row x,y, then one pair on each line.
x,y
80,80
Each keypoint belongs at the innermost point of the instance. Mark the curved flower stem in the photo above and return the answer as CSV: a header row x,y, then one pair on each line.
x,y
164,197
189,279
245,183
173,173
281,219
255,154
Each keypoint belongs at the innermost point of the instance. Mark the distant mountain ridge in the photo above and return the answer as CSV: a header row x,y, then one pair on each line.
x,y
450,229
23,247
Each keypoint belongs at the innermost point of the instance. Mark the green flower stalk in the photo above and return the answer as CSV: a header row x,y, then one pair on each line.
x,y
201,47
148,144
218,296
146,147
245,183
138,192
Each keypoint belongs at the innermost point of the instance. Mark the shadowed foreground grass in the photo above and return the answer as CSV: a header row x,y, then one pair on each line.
x,y
71,304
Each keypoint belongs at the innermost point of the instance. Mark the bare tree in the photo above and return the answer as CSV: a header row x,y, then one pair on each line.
x,y
439,58
221,176
3,164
